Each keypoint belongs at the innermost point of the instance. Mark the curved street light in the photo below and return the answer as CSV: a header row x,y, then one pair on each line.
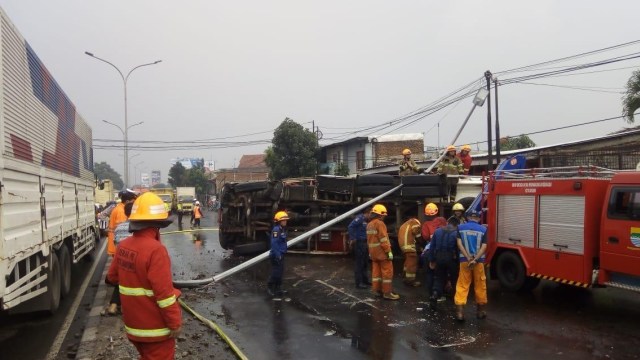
x,y
126,127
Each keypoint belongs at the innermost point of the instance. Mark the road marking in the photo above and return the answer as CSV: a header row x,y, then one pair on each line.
x,y
57,343
188,231
464,341
347,294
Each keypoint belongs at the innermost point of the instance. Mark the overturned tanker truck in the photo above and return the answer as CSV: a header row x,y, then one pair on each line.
x,y
246,209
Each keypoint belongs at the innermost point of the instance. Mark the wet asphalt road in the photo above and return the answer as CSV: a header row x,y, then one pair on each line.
x,y
324,317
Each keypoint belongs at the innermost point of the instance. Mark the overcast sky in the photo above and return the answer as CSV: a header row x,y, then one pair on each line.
x,y
232,68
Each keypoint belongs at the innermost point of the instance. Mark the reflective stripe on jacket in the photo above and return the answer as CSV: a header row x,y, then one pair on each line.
x,y
407,235
142,268
378,240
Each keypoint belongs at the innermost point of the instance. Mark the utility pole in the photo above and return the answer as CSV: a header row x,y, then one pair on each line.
x,y
495,86
487,76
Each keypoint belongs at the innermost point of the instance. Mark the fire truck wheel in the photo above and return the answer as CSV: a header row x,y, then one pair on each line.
x,y
53,283
373,190
510,270
251,186
65,270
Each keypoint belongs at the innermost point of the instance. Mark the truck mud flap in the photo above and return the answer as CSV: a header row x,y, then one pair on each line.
x,y
250,248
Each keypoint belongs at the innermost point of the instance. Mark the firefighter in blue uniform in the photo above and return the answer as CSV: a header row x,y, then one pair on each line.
x,y
358,239
276,255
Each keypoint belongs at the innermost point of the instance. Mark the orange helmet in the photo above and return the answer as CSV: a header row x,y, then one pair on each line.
x,y
451,148
280,215
406,152
148,211
466,147
379,209
431,209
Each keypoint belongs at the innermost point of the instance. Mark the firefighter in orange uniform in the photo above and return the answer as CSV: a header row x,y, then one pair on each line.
x,y
117,217
380,254
407,236
142,267
465,156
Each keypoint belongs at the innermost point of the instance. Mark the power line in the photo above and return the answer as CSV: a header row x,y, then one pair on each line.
x,y
572,87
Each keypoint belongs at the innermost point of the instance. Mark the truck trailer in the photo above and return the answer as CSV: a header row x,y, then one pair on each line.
x,y
246,209
578,226
47,214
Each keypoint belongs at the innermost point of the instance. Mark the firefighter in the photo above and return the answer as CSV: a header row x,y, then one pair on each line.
x,y
380,254
276,255
458,213
358,239
465,157
430,225
473,246
116,217
196,215
408,234
443,258
451,165
407,165
142,268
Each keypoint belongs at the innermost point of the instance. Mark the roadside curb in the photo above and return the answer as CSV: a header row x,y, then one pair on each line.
x,y
88,341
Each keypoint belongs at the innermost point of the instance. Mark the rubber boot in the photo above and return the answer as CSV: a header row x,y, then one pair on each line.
x,y
391,296
481,312
271,290
460,312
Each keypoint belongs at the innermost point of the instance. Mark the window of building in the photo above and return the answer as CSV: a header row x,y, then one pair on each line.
x,y
360,160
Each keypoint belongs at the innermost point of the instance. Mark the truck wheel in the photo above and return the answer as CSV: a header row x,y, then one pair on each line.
x,y
226,240
421,180
53,284
373,190
251,186
65,271
510,270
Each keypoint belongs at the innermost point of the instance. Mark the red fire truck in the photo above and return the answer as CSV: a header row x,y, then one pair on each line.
x,y
575,225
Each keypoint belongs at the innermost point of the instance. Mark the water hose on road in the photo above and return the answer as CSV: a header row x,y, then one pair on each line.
x,y
304,236
217,329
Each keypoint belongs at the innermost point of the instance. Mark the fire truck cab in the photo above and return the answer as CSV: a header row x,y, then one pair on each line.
x,y
575,225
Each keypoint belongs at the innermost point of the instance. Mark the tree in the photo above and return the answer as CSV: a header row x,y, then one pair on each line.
x,y
516,142
104,171
195,177
341,169
631,98
293,151
177,175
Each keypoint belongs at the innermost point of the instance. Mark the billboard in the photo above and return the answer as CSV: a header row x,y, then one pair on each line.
x,y
155,177
144,178
188,163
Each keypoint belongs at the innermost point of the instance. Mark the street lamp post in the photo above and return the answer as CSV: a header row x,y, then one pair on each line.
x,y
135,171
126,127
126,158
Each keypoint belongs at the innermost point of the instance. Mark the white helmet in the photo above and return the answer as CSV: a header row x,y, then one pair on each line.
x,y
197,202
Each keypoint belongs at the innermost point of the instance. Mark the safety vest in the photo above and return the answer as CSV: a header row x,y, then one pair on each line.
x,y
407,235
196,212
378,240
142,268
117,216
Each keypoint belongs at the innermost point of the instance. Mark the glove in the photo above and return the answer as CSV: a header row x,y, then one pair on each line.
x,y
390,255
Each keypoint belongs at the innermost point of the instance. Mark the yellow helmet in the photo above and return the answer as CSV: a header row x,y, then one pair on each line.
x,y
466,147
148,211
379,209
406,152
431,209
281,215
451,148
458,207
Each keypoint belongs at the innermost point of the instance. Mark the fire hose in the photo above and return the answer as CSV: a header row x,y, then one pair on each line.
x,y
297,239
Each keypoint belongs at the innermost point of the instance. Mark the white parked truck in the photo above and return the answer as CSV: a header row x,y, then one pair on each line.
x,y
47,215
